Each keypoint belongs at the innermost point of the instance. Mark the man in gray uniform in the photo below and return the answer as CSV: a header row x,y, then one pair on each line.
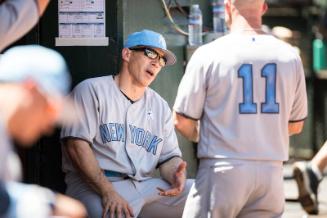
x,y
127,131
17,18
247,91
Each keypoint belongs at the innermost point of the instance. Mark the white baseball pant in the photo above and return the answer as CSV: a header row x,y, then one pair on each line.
x,y
142,197
226,188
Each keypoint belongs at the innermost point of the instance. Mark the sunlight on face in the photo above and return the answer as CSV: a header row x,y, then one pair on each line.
x,y
143,70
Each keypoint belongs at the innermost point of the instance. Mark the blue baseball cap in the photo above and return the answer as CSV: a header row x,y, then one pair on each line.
x,y
150,39
46,67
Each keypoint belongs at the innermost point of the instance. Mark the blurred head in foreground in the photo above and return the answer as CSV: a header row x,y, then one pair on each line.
x,y
33,83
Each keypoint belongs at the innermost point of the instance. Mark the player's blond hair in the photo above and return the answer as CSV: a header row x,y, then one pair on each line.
x,y
247,4
247,1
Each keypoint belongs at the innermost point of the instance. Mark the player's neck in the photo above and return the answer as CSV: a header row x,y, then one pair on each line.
x,y
133,92
249,31
240,25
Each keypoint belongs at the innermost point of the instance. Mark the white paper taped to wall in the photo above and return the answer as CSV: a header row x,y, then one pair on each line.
x,y
81,19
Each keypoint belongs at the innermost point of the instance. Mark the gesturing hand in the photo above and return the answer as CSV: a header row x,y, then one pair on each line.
x,y
116,205
178,182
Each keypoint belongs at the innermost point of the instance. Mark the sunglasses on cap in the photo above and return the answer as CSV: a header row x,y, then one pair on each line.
x,y
152,54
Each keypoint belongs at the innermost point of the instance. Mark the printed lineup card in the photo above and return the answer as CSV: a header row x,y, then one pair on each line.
x,y
82,20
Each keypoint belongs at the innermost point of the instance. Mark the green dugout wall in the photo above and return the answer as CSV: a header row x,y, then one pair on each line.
x,y
42,163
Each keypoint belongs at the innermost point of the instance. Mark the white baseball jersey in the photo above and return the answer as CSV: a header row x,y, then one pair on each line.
x,y
125,137
245,90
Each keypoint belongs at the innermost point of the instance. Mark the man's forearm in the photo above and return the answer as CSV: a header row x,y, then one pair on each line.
x,y
295,128
189,128
85,162
192,134
168,169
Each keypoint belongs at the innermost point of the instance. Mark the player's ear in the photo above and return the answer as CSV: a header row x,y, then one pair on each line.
x,y
227,6
125,54
228,13
264,8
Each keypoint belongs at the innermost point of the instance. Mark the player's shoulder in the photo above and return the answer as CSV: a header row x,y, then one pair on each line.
x,y
94,82
214,48
271,39
276,41
219,42
285,48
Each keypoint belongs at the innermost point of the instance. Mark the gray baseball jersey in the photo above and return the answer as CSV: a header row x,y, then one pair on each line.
x,y
17,18
245,89
125,137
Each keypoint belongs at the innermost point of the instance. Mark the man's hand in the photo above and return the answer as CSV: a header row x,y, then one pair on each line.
x,y
116,205
178,183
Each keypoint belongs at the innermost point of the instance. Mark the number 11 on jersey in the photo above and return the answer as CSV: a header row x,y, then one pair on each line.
x,y
248,106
